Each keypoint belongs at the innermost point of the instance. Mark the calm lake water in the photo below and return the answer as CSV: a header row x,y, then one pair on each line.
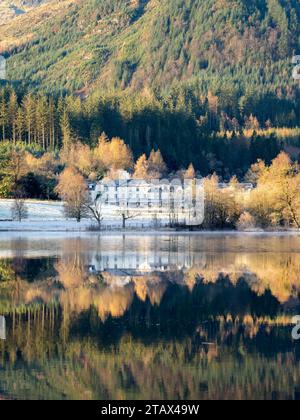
x,y
149,317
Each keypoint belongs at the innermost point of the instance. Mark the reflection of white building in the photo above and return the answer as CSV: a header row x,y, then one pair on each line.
x,y
139,263
176,201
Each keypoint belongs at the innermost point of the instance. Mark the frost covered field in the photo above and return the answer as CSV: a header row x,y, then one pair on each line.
x,y
49,216
37,210
42,216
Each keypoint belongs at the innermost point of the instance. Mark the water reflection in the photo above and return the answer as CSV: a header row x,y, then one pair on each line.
x,y
150,317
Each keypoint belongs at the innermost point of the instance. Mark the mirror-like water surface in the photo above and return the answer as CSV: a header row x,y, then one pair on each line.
x,y
149,317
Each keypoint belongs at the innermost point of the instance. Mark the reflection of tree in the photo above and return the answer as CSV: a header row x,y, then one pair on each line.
x,y
6,271
113,302
277,272
205,332
152,287
72,271
69,282
84,368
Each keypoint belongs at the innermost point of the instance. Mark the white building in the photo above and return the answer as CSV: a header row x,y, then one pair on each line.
x,y
160,201
154,202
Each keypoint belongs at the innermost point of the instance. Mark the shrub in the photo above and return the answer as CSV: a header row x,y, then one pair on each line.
x,y
246,222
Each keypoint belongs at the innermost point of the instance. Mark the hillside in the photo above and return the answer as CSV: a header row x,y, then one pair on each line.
x,y
21,29
8,12
10,9
130,44
205,81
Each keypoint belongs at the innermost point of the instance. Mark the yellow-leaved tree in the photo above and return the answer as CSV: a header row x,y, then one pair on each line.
x,y
276,200
79,156
113,154
223,205
141,168
72,189
152,168
157,167
190,173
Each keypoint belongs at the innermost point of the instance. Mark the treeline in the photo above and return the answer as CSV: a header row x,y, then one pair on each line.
x,y
274,202
36,120
26,172
186,127
270,200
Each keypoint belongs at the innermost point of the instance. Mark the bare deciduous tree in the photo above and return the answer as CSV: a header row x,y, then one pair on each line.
x,y
127,214
95,208
19,209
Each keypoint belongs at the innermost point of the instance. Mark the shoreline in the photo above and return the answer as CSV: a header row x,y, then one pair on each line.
x,y
147,232
47,217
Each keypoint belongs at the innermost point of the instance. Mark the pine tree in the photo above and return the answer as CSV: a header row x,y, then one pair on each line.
x,y
52,125
3,116
13,108
19,123
28,106
279,16
65,127
41,119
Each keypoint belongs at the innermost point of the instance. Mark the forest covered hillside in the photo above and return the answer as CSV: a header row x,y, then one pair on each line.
x,y
71,45
10,9
208,82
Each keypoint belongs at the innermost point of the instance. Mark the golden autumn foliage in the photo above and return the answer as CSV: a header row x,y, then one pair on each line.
x,y
151,287
255,172
223,206
79,156
109,156
276,200
113,302
72,189
114,154
157,166
112,295
45,165
246,222
152,168
190,173
17,166
141,168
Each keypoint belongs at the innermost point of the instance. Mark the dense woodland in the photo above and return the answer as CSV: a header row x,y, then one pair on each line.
x,y
221,61
218,44
186,128
203,81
